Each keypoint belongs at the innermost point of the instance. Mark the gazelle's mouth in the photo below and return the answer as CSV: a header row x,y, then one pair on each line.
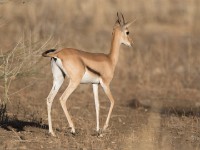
x,y
132,44
128,44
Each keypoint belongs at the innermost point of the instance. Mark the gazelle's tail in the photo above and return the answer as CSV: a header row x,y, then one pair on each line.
x,y
49,53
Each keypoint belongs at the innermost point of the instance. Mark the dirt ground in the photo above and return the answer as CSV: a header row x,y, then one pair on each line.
x,y
144,120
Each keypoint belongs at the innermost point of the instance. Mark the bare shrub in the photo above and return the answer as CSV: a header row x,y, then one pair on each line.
x,y
17,63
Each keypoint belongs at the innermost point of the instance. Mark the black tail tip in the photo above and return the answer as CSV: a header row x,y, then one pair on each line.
x,y
44,54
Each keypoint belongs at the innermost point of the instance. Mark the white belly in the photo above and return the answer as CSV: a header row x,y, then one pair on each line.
x,y
90,77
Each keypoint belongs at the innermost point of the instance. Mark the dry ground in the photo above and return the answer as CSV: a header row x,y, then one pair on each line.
x,y
156,84
144,120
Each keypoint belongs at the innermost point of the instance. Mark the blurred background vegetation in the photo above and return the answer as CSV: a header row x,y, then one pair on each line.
x,y
166,37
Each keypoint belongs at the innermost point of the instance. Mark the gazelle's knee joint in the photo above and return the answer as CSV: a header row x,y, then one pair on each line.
x,y
49,101
62,100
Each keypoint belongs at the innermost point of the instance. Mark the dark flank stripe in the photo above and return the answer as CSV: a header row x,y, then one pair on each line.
x,y
93,71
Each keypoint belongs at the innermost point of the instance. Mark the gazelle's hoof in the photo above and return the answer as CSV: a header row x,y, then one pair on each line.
x,y
100,135
52,134
73,131
97,133
105,127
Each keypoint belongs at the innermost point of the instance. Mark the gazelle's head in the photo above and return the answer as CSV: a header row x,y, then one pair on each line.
x,y
122,28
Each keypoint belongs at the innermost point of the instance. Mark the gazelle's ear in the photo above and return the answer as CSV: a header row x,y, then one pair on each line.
x,y
118,21
126,25
123,23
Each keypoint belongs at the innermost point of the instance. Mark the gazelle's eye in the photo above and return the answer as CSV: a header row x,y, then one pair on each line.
x,y
127,32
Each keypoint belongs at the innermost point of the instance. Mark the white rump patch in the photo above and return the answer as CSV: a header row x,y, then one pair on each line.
x,y
59,63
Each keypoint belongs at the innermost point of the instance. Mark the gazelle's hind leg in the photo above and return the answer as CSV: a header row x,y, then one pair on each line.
x,y
63,99
58,79
75,75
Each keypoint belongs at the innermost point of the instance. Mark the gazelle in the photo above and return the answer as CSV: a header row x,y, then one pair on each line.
x,y
84,67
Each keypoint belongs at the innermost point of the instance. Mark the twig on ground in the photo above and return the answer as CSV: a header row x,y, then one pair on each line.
x,y
16,134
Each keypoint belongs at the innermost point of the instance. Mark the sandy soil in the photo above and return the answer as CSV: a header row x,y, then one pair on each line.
x,y
142,120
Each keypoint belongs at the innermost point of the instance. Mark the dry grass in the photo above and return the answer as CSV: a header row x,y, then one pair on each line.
x,y
161,72
165,35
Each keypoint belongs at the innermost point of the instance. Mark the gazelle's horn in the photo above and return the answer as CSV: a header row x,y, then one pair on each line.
x,y
126,25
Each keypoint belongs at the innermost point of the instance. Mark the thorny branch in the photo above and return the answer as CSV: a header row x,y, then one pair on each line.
x,y
17,62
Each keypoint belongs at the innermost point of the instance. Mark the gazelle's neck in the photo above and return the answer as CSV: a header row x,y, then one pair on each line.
x,y
114,51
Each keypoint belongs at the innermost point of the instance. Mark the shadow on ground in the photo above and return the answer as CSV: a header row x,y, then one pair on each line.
x,y
135,103
19,125
181,111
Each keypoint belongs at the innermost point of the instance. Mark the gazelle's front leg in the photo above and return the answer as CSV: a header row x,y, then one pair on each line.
x,y
96,100
106,89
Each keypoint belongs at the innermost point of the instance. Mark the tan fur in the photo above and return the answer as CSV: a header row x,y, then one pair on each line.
x,y
104,64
